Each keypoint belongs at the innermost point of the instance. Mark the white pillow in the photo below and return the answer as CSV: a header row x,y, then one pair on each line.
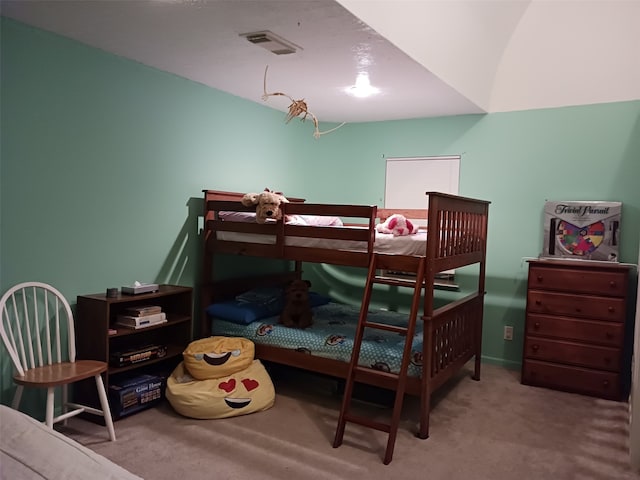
x,y
315,220
248,217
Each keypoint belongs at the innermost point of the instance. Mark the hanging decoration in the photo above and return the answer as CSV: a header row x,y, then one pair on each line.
x,y
298,108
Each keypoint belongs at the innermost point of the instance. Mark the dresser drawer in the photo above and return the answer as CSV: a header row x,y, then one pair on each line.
x,y
583,355
580,306
588,331
597,282
572,379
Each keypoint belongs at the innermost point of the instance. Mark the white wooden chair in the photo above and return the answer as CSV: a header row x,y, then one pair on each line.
x,y
35,318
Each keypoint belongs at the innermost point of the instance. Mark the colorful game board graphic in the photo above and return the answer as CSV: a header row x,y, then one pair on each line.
x,y
580,241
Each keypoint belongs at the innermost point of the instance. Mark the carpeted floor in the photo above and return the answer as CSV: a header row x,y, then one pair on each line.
x,y
495,429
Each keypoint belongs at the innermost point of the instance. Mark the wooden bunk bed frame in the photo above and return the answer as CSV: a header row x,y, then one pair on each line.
x,y
456,237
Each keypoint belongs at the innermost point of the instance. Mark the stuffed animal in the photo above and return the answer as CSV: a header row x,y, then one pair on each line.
x,y
297,309
267,204
398,225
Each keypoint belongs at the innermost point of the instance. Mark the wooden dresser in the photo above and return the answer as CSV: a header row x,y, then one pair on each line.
x,y
575,327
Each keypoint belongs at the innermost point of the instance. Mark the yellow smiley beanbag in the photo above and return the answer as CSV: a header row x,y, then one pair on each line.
x,y
217,357
239,393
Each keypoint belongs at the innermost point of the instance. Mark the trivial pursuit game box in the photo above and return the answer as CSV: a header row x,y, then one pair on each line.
x,y
583,230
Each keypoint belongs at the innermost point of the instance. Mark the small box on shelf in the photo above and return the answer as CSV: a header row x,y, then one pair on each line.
x,y
132,394
138,288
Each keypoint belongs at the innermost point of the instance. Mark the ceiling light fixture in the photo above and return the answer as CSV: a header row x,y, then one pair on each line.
x,y
272,42
362,87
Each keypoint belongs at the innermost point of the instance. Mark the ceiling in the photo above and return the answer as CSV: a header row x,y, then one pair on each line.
x,y
201,41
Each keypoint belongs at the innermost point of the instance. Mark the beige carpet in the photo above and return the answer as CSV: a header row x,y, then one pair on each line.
x,y
495,429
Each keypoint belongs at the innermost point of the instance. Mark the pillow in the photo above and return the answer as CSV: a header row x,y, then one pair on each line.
x,y
269,295
243,313
314,220
246,391
322,221
257,304
247,217
217,357
261,295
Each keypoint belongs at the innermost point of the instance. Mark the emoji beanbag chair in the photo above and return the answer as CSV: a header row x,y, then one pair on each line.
x,y
240,393
217,357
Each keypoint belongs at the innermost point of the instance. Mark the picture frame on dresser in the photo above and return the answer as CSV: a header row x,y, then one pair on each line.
x,y
578,327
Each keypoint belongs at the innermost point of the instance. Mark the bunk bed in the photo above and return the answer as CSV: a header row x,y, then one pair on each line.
x,y
453,235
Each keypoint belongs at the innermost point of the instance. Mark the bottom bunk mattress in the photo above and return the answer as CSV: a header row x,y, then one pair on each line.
x,y
331,336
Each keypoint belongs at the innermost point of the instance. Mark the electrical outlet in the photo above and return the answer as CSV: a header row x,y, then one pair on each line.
x,y
508,332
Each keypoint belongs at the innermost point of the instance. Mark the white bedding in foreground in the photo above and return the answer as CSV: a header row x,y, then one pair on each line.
x,y
30,450
384,242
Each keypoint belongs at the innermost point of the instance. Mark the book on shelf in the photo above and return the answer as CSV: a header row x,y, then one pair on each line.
x,y
143,310
138,327
135,321
136,355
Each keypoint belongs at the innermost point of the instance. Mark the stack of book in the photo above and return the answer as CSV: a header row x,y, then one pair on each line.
x,y
142,316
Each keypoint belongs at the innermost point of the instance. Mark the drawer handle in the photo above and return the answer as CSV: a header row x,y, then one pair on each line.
x,y
538,302
536,326
609,335
612,284
611,309
535,347
578,310
539,278
605,383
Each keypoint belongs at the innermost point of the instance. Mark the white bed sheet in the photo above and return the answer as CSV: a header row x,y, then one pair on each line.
x,y
384,242
29,450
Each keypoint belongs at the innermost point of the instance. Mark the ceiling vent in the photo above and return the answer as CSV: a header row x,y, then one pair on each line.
x,y
272,42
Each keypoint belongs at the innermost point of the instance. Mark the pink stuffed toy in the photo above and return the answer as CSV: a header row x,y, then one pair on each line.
x,y
397,225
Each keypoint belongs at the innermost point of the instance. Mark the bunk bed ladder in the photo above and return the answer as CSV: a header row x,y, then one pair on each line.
x,y
357,372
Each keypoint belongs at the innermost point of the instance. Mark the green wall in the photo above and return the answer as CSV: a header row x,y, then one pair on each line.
x,y
103,161
517,161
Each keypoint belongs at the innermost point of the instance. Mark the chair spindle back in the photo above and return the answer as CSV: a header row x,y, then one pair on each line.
x,y
35,317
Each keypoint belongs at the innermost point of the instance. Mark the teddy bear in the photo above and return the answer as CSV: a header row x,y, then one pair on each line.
x,y
297,309
398,225
267,204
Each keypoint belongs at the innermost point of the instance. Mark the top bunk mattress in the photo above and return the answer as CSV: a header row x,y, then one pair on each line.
x,y
413,245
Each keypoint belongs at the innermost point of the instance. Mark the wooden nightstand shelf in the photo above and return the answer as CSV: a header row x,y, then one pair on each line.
x,y
575,327
97,313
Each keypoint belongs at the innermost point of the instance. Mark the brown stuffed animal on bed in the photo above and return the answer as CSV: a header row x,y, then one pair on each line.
x,y
297,310
267,204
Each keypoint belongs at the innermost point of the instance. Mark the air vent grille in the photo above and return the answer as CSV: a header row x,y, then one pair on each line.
x,y
272,42
258,38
